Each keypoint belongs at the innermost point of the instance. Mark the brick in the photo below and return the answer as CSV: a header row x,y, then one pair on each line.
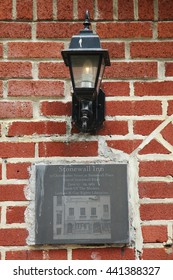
x,y
5,9
156,168
73,149
12,193
125,10
15,214
167,133
16,109
165,29
15,30
44,9
128,70
65,10
82,9
116,88
57,29
105,9
36,128
114,128
156,211
24,9
153,88
170,107
145,127
151,49
35,49
53,70
59,254
55,108
17,150
116,50
130,108
15,70
17,237
124,30
0,171
154,234
145,9
36,88
168,69
155,190
103,254
165,10
18,170
157,254
127,146
154,147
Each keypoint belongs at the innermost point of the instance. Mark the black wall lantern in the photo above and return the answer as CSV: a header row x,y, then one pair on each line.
x,y
87,60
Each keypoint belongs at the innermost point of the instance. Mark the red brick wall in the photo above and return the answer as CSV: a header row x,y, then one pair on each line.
x,y
35,114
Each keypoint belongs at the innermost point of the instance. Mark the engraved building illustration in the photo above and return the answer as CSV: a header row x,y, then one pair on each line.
x,y
84,217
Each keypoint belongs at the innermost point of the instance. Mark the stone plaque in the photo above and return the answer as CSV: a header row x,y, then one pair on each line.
x,y
81,204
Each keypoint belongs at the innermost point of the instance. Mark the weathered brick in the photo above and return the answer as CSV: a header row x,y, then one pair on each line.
x,y
145,9
65,10
35,49
53,70
35,88
44,9
145,127
156,211
15,30
57,29
116,50
5,9
15,70
17,236
116,88
154,147
0,171
17,150
38,128
156,168
114,128
124,30
128,70
165,10
1,88
1,50
154,234
71,149
125,10
156,190
157,254
82,9
153,88
59,254
170,107
136,108
16,109
151,49
15,214
103,254
18,170
167,133
12,193
55,108
105,10
127,146
165,29
168,69
24,9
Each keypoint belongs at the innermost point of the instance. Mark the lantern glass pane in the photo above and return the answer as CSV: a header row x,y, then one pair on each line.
x,y
84,69
101,74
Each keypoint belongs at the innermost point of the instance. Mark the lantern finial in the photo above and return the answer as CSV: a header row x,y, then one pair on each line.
x,y
87,21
